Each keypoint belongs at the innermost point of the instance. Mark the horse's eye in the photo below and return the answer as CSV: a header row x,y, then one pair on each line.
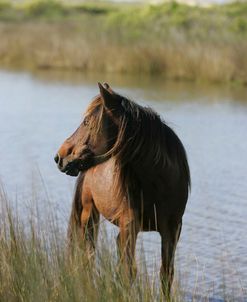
x,y
85,122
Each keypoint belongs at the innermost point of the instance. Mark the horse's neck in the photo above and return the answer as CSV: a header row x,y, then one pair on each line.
x,y
101,159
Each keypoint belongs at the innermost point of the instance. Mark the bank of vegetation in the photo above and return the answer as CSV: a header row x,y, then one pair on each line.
x,y
176,41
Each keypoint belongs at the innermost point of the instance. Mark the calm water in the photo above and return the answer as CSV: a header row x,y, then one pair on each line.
x,y
37,112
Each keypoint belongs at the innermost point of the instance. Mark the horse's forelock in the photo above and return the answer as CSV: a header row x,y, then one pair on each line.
x,y
95,103
95,108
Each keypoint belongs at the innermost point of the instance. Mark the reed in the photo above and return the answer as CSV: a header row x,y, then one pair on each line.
x,y
174,40
35,265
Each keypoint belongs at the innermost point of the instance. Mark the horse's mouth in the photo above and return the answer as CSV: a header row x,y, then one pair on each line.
x,y
72,172
73,168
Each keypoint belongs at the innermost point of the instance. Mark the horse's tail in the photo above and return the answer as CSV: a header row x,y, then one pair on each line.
x,y
75,216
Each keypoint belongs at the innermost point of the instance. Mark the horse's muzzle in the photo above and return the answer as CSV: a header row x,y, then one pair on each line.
x,y
69,167
72,166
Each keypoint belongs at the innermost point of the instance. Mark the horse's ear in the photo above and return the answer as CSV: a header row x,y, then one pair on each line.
x,y
106,85
107,96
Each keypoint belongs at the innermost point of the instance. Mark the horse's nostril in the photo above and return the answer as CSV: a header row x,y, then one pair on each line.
x,y
56,158
70,150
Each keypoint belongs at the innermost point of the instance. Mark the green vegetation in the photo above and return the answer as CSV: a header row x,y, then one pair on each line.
x,y
174,40
35,265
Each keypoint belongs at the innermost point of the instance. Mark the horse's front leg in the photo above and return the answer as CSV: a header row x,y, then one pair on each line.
x,y
89,223
126,242
170,233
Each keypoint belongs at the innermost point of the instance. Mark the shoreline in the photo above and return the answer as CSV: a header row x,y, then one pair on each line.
x,y
175,41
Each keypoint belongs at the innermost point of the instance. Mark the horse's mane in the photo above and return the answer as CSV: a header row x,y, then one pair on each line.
x,y
144,144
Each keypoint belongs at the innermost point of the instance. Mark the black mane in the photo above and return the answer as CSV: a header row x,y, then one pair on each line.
x,y
146,142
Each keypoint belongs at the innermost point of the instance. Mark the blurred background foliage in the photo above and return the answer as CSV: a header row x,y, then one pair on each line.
x,y
177,40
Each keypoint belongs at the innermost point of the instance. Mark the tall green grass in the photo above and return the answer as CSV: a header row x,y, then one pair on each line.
x,y
174,40
35,265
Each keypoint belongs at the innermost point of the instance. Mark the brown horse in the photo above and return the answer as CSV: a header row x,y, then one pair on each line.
x,y
133,170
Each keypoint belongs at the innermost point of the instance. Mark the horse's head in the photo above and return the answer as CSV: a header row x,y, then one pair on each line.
x,y
94,137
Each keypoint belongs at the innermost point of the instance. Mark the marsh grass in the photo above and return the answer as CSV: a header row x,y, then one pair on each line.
x,y
35,265
173,40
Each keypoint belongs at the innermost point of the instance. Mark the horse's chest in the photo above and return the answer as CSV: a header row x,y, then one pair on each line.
x,y
103,186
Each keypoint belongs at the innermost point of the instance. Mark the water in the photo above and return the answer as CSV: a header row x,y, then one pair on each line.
x,y
38,111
